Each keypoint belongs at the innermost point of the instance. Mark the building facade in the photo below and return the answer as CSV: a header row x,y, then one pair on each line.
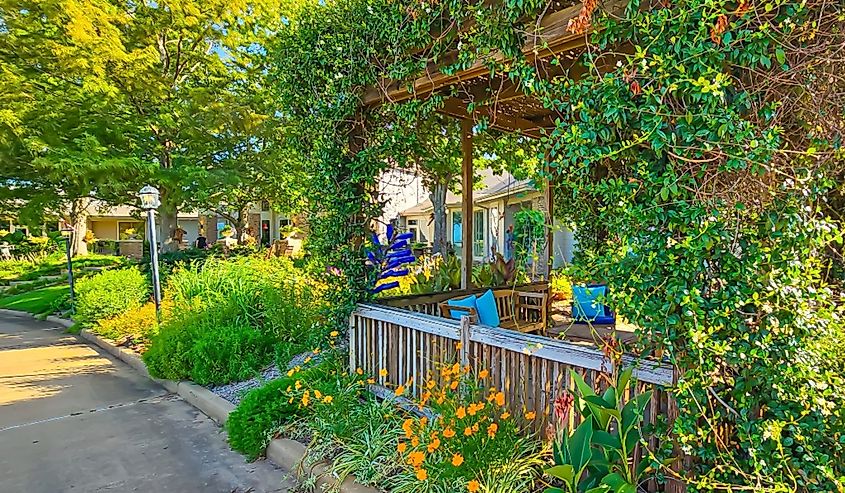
x,y
495,205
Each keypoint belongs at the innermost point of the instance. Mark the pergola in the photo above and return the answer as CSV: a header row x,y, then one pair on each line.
x,y
409,336
505,106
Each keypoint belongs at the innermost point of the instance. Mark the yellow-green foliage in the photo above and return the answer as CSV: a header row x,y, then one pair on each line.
x,y
561,285
137,323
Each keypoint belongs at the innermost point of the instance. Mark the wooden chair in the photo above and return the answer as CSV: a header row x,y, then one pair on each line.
x,y
522,311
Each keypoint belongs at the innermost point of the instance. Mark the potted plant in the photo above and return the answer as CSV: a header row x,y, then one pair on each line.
x,y
419,248
227,231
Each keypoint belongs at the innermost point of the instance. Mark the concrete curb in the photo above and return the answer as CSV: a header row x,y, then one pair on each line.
x,y
290,455
285,453
133,360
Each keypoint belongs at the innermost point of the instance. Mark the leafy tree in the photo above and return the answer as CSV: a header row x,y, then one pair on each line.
x,y
158,81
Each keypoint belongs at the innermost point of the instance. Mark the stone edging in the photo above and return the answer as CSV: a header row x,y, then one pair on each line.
x,y
285,453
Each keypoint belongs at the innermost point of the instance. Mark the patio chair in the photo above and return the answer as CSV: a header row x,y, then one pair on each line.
x,y
523,311
587,308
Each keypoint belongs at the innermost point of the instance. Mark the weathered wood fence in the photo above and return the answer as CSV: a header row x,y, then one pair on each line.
x,y
531,370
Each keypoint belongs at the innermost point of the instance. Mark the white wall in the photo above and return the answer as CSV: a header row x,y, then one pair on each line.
x,y
192,230
400,190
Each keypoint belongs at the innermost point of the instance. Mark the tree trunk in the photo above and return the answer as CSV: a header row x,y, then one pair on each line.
x,y
242,223
438,202
167,223
168,212
78,219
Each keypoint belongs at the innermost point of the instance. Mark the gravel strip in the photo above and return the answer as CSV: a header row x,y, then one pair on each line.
x,y
234,392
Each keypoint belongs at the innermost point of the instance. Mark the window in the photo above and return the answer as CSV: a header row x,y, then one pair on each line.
x,y
413,228
457,230
220,225
131,230
265,206
478,234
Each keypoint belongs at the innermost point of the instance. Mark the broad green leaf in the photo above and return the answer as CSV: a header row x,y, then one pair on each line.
x,y
583,389
563,472
618,484
579,447
606,439
625,379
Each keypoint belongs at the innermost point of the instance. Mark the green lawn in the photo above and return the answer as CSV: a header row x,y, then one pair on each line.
x,y
37,302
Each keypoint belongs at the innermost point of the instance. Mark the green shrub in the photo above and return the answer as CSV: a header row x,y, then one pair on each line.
x,y
209,346
263,411
230,353
259,415
208,342
231,318
169,354
108,294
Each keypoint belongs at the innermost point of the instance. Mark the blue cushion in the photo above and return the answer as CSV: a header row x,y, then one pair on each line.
x,y
468,302
584,304
488,313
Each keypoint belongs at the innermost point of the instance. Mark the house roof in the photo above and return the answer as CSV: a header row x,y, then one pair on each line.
x,y
495,187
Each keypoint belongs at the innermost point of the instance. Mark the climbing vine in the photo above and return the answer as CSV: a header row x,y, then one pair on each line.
x,y
699,156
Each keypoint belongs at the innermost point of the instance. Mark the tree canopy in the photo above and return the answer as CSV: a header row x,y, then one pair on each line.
x,y
171,93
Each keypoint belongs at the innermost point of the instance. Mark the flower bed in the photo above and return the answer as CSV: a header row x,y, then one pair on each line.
x,y
469,443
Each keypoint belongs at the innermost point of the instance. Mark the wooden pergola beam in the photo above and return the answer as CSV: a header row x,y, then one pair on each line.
x,y
458,109
550,38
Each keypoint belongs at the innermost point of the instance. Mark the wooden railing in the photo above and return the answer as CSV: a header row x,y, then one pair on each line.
x,y
428,303
531,370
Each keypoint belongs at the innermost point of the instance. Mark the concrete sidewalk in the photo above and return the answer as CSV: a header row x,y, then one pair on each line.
x,y
72,419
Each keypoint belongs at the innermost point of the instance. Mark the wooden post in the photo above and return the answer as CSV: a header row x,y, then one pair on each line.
x,y
466,202
463,352
353,342
465,340
549,197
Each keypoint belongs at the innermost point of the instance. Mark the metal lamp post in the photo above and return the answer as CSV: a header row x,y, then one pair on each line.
x,y
149,202
67,236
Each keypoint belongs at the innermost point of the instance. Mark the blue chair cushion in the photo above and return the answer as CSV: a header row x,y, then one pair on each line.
x,y
468,302
488,313
585,307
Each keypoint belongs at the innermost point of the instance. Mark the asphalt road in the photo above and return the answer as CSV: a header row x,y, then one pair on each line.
x,y
74,420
